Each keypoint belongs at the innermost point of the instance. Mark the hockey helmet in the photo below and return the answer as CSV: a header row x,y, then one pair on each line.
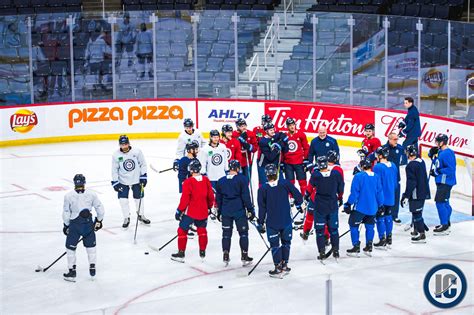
x,y
194,166
268,126
369,127
240,122
411,150
290,121
188,122
332,156
227,128
441,139
234,165
383,151
79,180
213,133
271,170
365,164
266,119
123,139
322,162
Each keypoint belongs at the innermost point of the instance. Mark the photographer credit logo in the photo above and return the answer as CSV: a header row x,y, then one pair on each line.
x,y
445,286
23,121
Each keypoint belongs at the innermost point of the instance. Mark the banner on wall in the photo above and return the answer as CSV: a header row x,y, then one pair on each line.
x,y
215,114
345,122
58,120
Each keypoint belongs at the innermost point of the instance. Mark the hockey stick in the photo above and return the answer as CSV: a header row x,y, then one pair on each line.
x,y
329,253
166,244
41,269
138,214
255,225
249,175
268,249
162,171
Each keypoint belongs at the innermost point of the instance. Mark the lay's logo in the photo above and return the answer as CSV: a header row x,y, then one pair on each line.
x,y
23,121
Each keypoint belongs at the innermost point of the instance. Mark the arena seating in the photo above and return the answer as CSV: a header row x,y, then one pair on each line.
x,y
13,7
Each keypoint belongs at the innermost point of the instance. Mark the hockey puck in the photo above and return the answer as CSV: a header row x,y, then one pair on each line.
x,y
37,270
221,287
146,253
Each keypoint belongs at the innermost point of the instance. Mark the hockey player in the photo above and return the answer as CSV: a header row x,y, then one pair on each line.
x,y
416,192
332,160
395,155
194,207
298,150
259,131
444,172
329,187
249,145
320,146
388,173
192,150
410,127
370,143
362,156
271,146
129,170
367,197
188,135
213,158
78,222
274,211
234,205
234,150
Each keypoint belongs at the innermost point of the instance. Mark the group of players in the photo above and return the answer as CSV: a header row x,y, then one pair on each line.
x,y
215,182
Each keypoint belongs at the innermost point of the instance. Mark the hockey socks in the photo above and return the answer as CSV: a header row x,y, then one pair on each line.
x,y
369,232
182,239
308,222
303,185
444,212
202,234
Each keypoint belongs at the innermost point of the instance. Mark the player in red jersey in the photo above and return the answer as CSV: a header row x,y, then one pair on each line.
x,y
249,145
370,143
234,150
293,160
196,200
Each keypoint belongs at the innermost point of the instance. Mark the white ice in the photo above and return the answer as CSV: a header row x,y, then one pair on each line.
x,y
35,179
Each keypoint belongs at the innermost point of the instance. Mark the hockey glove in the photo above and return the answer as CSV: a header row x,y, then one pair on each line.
x,y
178,215
117,186
245,144
339,202
403,201
307,197
380,211
176,165
97,225
275,147
282,136
299,208
143,180
402,134
433,173
261,228
251,214
347,208
66,229
433,152
402,124
219,215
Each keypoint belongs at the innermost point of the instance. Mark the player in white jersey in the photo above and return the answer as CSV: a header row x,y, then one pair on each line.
x,y
213,158
129,170
188,135
78,222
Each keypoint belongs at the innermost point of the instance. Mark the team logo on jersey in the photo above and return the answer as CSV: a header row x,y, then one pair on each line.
x,y
23,121
397,151
445,286
292,146
327,144
217,159
129,165
229,153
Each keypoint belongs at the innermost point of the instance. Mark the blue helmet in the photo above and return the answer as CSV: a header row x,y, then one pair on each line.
x,y
266,119
322,162
213,133
192,145
411,150
234,165
332,156
194,166
240,122
79,180
123,139
365,164
442,139
227,128
268,126
188,122
271,170
383,151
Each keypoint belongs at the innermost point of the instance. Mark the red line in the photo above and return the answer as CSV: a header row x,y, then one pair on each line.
x,y
199,270
448,309
197,115
107,230
400,309
126,304
30,194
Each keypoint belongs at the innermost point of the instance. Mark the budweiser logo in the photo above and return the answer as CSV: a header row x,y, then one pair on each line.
x,y
428,134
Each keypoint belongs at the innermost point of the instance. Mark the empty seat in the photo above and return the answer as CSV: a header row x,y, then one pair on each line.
x,y
220,50
290,66
214,64
203,49
176,64
163,50
228,65
306,66
412,10
179,49
300,52
226,36
427,11
208,35
441,12
161,64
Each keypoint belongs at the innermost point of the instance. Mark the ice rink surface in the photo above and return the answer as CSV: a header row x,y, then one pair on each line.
x,y
35,179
